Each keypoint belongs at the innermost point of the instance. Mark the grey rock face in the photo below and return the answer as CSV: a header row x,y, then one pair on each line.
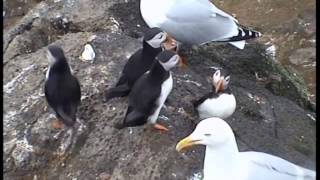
x,y
268,117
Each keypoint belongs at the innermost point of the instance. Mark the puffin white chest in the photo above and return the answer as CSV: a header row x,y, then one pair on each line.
x,y
47,73
166,88
222,107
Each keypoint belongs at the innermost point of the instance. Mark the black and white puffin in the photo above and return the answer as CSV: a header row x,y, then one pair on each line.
x,y
140,62
150,92
62,89
220,102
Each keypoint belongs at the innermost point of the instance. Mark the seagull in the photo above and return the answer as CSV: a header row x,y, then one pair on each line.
x,y
195,22
223,160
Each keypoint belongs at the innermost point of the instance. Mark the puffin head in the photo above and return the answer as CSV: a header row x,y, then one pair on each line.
x,y
169,59
157,38
220,80
212,132
55,54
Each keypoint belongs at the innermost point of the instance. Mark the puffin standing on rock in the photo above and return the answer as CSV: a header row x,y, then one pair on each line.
x,y
220,102
150,92
195,22
63,94
62,89
140,62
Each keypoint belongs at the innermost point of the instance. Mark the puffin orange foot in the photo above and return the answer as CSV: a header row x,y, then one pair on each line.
x,y
57,124
160,127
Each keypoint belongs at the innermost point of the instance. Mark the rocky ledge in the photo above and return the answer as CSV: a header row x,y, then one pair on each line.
x,y
273,114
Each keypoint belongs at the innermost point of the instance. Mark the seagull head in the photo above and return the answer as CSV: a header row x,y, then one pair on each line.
x,y
220,80
211,132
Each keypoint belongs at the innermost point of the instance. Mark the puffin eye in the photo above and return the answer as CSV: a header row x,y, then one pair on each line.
x,y
227,78
217,73
207,134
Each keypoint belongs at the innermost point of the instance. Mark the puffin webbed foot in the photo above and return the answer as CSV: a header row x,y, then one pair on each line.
x,y
57,124
160,127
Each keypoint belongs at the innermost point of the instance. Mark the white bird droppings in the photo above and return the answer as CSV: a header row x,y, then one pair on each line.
x,y
271,51
88,54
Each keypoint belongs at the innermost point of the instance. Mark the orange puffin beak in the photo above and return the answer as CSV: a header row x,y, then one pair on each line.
x,y
219,86
169,43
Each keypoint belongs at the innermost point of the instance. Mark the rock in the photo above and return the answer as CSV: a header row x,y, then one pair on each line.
x,y
270,122
104,176
303,56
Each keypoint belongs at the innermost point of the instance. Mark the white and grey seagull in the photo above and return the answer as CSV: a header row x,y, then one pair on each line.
x,y
223,161
195,22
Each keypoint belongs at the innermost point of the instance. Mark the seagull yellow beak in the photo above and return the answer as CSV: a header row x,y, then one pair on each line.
x,y
185,143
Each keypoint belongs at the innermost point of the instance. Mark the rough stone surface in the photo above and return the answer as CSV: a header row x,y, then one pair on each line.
x,y
303,56
269,116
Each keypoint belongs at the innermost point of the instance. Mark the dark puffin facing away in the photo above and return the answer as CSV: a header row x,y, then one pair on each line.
x,y
139,63
62,89
150,92
220,102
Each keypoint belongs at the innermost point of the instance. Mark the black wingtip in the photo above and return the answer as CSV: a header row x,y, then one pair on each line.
x,y
244,33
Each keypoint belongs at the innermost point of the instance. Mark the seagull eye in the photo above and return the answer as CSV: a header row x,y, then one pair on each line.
x,y
207,134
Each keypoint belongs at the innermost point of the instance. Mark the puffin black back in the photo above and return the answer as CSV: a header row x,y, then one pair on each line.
x,y
62,89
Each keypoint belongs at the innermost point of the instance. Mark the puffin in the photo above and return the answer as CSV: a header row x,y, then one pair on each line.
x,y
223,160
195,22
154,42
220,102
62,88
150,92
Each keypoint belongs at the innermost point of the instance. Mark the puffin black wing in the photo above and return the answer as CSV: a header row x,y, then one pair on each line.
x,y
122,89
63,94
142,101
132,118
244,33
196,103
